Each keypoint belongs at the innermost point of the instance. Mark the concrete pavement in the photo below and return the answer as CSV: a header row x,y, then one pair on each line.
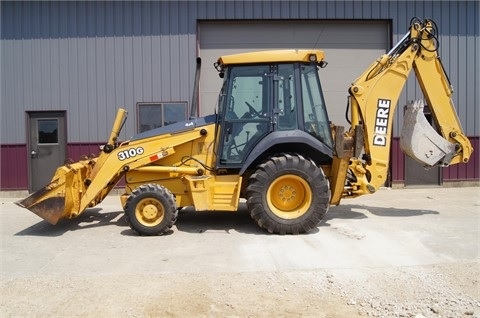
x,y
390,228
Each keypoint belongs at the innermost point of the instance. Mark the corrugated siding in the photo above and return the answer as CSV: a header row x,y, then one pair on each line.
x,y
458,23
89,58
468,171
460,172
13,168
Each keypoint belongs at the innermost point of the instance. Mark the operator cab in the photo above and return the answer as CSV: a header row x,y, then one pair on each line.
x,y
266,92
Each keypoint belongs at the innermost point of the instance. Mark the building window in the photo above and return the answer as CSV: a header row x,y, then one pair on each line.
x,y
153,115
47,131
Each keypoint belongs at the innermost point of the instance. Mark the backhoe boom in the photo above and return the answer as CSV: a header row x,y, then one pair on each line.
x,y
373,100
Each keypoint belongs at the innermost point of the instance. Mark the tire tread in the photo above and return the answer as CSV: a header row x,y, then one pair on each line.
x,y
258,184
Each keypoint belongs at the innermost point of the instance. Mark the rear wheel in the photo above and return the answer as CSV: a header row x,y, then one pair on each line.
x,y
288,194
151,210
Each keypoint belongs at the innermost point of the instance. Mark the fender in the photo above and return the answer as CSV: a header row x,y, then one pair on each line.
x,y
287,137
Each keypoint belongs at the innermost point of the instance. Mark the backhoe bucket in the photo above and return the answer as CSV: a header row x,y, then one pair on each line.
x,y
60,199
421,142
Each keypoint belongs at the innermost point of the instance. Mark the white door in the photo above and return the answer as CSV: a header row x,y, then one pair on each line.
x,y
350,47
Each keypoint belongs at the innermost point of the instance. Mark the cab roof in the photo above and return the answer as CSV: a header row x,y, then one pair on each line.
x,y
274,56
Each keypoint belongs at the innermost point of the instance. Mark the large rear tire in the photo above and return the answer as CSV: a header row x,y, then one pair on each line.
x,y
288,194
151,210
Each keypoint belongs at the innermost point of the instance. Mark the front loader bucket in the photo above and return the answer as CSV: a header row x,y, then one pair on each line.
x,y
421,142
60,199
47,205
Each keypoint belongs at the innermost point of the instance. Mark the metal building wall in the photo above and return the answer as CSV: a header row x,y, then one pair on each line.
x,y
91,57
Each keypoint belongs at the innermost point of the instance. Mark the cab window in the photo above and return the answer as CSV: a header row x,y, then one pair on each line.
x,y
315,117
246,115
287,116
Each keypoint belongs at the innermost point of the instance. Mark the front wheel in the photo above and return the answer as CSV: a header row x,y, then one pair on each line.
x,y
288,194
151,210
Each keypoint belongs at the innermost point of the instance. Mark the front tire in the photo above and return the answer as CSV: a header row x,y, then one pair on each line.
x,y
151,210
288,194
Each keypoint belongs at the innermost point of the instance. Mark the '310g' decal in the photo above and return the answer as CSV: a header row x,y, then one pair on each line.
x,y
130,153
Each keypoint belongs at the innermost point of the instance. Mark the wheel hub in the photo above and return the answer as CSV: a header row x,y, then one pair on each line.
x,y
287,193
289,196
150,211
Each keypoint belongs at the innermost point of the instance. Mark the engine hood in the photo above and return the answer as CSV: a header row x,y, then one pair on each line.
x,y
176,127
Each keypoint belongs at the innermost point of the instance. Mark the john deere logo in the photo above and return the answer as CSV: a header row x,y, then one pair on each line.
x,y
381,122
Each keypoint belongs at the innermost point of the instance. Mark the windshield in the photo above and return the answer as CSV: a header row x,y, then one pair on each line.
x,y
315,116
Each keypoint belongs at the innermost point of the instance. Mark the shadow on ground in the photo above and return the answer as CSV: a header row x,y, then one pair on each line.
x,y
355,211
91,218
199,222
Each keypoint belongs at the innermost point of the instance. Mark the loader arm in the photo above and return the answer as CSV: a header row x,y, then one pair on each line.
x,y
133,155
362,154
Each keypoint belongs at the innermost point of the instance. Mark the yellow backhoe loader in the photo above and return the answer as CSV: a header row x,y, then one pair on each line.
x,y
270,142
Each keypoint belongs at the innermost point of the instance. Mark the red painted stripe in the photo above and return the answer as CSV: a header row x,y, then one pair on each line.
x,y
14,169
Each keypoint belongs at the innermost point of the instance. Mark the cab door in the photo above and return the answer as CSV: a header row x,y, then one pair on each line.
x,y
247,113
47,145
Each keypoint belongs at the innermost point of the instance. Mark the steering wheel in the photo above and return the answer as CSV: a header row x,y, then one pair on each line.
x,y
252,110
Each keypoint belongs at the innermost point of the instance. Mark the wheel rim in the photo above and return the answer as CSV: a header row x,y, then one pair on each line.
x,y
289,196
149,212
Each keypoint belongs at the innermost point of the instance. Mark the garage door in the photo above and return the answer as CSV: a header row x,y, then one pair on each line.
x,y
349,47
